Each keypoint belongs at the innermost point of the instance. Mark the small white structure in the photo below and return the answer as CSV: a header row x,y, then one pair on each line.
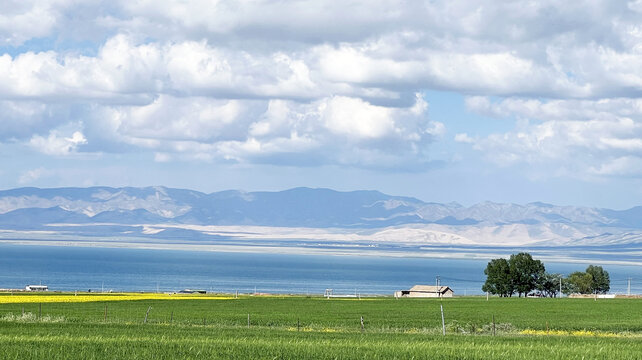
x,y
37,288
430,291
192,291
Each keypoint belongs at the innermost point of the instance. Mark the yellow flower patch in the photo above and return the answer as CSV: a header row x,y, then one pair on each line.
x,y
309,329
587,333
71,298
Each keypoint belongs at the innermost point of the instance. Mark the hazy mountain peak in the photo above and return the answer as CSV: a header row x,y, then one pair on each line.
x,y
310,208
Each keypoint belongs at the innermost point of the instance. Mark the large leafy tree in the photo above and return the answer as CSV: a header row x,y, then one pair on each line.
x,y
498,278
578,282
595,280
525,272
548,284
601,283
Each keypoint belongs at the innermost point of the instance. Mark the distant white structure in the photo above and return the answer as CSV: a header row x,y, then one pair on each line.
x,y
192,291
426,291
37,288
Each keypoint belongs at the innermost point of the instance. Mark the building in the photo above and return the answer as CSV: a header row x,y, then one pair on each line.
x,y
37,288
192,291
426,291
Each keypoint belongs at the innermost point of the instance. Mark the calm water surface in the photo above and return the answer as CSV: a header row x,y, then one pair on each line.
x,y
83,268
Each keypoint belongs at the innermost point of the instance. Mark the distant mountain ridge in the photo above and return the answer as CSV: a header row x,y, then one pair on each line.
x,y
38,209
304,207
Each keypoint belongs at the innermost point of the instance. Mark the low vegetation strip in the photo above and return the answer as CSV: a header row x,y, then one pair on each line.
x,y
302,327
81,298
50,341
585,333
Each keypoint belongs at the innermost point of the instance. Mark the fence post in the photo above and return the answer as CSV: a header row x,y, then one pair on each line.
x,y
363,328
443,323
147,313
298,325
171,317
493,324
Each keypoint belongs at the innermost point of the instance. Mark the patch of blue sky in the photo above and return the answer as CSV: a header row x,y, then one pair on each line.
x,y
450,109
52,43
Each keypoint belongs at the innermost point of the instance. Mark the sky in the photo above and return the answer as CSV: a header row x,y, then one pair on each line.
x,y
467,101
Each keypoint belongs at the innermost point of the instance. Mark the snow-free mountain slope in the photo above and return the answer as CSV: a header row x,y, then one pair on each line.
x,y
161,211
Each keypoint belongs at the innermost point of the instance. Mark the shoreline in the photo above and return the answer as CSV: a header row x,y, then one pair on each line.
x,y
446,253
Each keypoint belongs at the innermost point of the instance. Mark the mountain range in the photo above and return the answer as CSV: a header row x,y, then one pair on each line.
x,y
168,213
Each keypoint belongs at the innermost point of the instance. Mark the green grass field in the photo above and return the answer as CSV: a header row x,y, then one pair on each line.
x,y
302,327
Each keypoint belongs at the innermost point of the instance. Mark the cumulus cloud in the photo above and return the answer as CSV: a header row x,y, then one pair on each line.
x,y
21,119
55,144
30,176
320,81
579,137
124,71
333,130
23,20
384,48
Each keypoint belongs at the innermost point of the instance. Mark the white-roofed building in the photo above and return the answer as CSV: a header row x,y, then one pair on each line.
x,y
426,291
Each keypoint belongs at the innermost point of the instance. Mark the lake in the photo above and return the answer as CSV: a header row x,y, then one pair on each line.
x,y
125,269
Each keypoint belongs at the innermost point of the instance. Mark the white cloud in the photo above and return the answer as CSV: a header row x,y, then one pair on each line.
x,y
174,118
128,72
22,20
356,118
312,50
574,137
55,144
621,166
436,129
327,81
464,138
20,119
331,130
612,108
31,176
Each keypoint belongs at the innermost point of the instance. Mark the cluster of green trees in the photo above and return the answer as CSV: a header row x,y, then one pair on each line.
x,y
523,275
594,280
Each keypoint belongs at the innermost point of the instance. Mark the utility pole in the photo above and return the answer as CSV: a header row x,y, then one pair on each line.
x,y
628,288
443,323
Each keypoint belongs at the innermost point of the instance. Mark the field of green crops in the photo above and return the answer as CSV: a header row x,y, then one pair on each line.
x,y
312,327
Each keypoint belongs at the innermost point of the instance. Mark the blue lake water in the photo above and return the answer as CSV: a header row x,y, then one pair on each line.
x,y
118,269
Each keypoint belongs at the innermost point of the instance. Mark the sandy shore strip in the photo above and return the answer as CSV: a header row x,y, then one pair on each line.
x,y
445,253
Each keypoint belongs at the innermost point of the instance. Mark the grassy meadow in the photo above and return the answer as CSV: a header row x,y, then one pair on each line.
x,y
60,326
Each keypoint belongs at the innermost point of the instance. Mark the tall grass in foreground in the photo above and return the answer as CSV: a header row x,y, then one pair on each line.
x,y
81,341
464,315
316,328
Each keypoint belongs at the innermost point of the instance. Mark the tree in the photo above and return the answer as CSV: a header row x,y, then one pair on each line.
x,y
578,282
601,283
548,284
498,278
595,280
525,272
